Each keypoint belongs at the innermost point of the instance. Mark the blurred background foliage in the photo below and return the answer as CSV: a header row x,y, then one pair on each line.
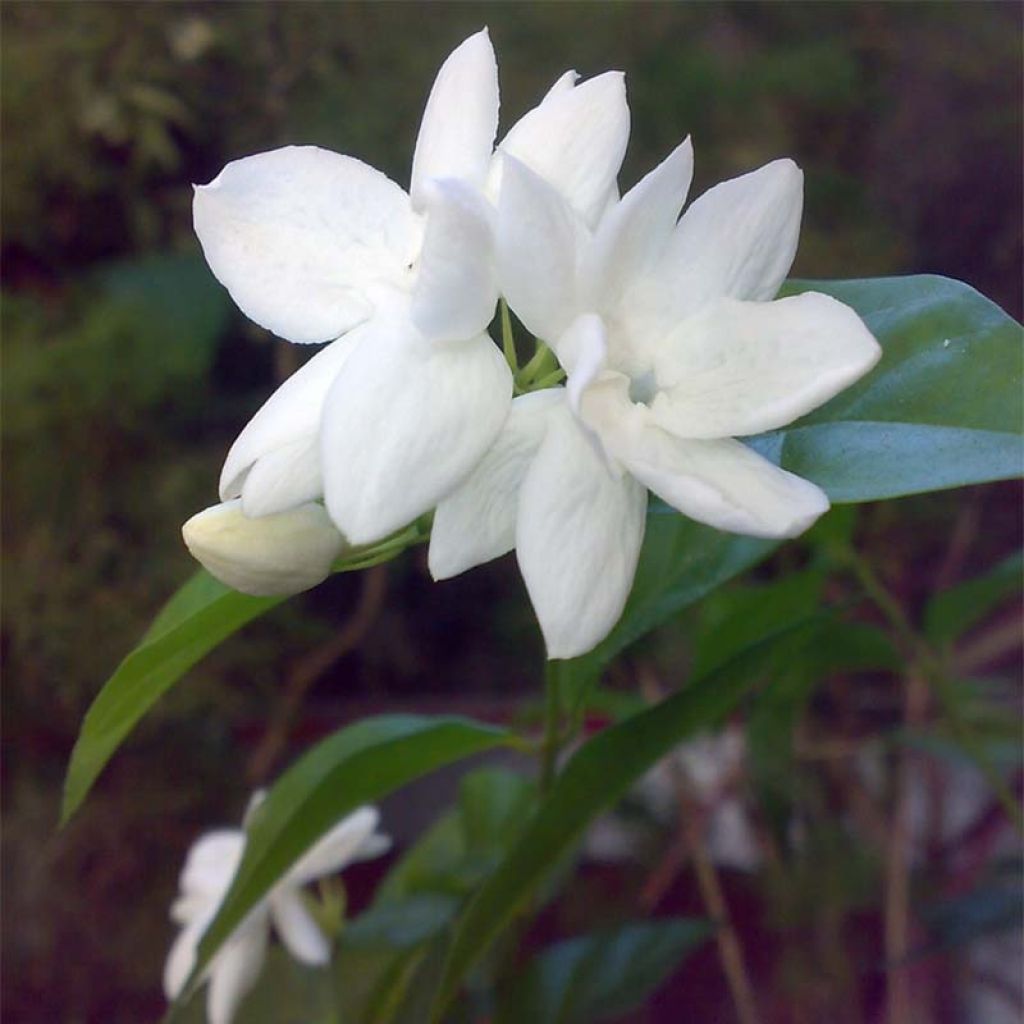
x,y
127,373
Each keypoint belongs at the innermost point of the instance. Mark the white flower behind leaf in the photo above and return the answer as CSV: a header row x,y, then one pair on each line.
x,y
673,350
209,870
320,247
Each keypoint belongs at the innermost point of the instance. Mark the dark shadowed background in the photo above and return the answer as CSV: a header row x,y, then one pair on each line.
x,y
127,373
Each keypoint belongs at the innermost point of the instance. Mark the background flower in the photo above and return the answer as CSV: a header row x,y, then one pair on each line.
x,y
209,870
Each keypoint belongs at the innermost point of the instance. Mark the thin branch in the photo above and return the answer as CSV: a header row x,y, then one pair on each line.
x,y
552,741
898,1002
309,668
691,826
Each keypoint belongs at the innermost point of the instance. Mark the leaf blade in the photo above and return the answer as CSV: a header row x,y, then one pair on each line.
x,y
197,618
596,776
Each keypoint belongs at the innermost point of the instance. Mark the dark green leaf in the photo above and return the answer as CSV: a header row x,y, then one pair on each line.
x,y
593,780
402,925
735,617
603,975
493,805
422,894
954,611
357,765
429,865
201,615
457,851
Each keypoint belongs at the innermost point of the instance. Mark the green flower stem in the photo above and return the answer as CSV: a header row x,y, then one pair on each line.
x,y
508,341
368,555
553,378
552,742
541,364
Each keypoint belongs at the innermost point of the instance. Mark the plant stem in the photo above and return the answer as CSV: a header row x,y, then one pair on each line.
x,y
310,668
384,550
898,1005
549,380
552,726
541,363
691,824
730,953
508,341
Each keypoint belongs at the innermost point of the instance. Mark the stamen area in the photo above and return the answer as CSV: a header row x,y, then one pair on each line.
x,y
643,387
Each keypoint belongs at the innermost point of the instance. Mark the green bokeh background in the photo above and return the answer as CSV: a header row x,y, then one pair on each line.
x,y
127,373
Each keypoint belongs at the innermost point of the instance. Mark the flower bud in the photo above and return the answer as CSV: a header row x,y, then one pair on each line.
x,y
277,554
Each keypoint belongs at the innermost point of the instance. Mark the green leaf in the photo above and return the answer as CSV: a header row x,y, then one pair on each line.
x,y
956,610
458,850
942,408
390,957
402,925
736,617
201,615
593,780
603,975
357,765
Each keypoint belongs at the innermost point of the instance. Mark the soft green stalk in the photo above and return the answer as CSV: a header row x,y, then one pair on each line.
x,y
541,364
508,341
553,378
367,555
552,725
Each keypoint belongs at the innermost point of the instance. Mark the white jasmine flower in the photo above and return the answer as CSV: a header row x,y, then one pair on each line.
x,y
283,553
672,350
316,246
205,880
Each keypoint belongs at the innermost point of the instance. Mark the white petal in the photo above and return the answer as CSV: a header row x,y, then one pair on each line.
x,y
737,240
578,538
300,934
291,415
477,521
298,234
632,235
722,483
182,957
235,970
565,82
405,422
283,479
739,368
456,284
279,554
211,863
536,252
582,350
185,909
575,139
460,120
345,843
